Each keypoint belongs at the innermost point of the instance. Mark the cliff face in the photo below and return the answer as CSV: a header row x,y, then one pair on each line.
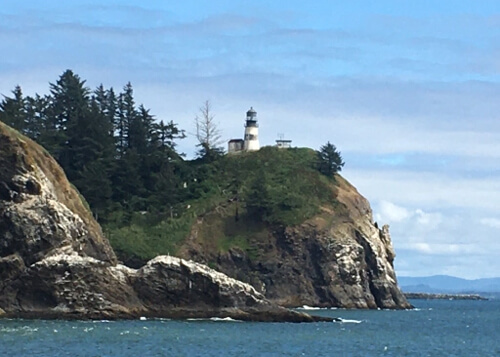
x,y
39,209
55,262
339,258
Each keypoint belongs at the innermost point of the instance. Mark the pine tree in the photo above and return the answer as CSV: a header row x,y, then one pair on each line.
x,y
70,112
329,160
127,114
165,164
140,131
37,110
95,186
13,110
115,153
258,198
95,155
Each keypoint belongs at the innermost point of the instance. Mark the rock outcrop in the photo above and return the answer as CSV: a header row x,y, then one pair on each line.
x,y
40,211
55,262
339,258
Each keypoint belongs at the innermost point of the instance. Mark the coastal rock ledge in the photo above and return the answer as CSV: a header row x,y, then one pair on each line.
x,y
56,263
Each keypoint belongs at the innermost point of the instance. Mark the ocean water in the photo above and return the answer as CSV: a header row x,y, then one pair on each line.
x,y
434,328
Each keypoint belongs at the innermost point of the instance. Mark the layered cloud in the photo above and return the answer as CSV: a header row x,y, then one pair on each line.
x,y
453,240
491,222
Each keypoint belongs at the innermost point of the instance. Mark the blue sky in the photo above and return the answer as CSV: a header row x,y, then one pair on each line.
x,y
407,90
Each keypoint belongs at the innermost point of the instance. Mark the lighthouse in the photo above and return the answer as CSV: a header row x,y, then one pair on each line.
x,y
251,141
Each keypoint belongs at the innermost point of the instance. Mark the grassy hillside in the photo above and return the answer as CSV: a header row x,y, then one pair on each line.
x,y
238,197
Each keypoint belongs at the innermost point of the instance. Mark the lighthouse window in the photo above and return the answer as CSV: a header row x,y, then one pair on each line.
x,y
250,137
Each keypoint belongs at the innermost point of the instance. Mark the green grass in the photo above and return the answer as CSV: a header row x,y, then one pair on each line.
x,y
224,244
270,187
145,241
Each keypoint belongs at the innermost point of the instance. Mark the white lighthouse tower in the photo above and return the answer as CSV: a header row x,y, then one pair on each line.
x,y
251,132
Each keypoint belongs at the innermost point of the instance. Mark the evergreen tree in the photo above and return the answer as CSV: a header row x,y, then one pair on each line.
x,y
140,131
258,198
329,160
37,110
166,164
95,155
131,145
164,137
126,116
70,111
100,96
13,111
111,110
70,100
115,153
128,187
104,105
51,135
95,186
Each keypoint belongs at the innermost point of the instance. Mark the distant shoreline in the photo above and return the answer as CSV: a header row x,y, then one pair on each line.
x,y
426,296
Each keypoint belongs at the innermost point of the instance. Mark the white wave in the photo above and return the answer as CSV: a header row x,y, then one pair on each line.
x,y
224,319
215,319
347,321
306,307
24,329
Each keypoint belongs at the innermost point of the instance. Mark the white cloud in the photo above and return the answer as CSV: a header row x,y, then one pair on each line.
x,y
491,222
391,213
428,190
443,249
430,220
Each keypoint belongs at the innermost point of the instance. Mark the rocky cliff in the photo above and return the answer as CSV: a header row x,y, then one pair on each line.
x,y
338,258
55,262
40,210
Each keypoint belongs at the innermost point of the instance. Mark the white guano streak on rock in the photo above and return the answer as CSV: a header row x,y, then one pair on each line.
x,y
68,255
122,273
75,297
67,221
379,246
221,279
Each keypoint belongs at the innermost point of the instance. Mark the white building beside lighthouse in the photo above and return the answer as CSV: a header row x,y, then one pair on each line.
x,y
251,138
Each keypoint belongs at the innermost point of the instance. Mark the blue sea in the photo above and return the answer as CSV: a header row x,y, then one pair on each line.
x,y
434,328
